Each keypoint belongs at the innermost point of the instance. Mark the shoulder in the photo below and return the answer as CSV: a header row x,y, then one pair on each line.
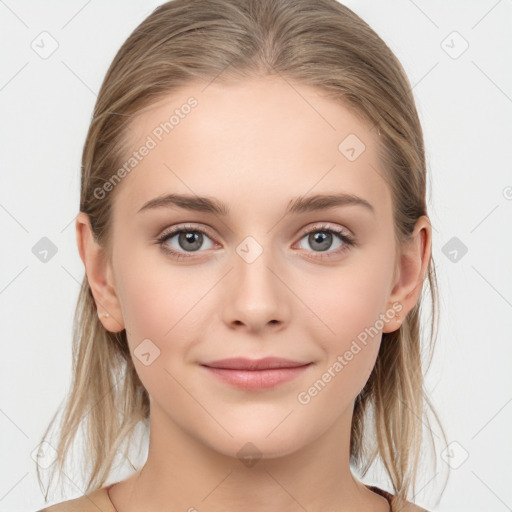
x,y
92,502
411,507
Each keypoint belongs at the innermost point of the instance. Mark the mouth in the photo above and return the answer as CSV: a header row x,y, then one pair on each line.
x,y
256,374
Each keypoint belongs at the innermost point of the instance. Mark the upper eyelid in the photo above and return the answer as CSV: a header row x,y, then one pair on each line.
x,y
209,231
176,229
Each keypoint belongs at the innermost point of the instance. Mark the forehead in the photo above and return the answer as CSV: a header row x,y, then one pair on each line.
x,y
261,138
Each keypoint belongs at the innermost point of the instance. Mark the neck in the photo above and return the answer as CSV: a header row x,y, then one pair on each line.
x,y
182,471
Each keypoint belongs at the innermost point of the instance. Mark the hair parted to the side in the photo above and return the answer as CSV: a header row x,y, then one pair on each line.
x,y
321,44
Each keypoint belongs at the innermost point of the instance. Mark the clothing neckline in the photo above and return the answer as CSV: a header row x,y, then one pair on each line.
x,y
389,497
381,492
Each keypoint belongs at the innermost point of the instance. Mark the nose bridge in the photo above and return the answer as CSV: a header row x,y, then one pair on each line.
x,y
256,293
253,263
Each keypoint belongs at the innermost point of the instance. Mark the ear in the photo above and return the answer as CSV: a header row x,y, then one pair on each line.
x,y
411,270
99,274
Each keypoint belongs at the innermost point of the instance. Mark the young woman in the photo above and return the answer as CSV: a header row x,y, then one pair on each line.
x,y
255,235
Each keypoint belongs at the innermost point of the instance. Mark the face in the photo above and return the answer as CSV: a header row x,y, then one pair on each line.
x,y
265,275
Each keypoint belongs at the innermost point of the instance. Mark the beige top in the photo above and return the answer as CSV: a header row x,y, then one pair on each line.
x,y
99,501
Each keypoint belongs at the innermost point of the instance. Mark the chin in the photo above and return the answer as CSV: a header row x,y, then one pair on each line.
x,y
253,442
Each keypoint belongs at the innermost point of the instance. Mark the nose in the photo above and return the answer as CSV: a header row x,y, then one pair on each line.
x,y
255,295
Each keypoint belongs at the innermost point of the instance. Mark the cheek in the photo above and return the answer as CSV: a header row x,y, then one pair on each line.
x,y
350,344
158,305
156,296
346,320
344,302
167,305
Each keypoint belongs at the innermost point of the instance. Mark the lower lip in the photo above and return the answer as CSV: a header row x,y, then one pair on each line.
x,y
257,379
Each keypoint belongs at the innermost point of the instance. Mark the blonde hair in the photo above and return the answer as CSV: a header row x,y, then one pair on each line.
x,y
321,44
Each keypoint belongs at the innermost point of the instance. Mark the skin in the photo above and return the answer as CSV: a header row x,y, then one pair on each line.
x,y
253,145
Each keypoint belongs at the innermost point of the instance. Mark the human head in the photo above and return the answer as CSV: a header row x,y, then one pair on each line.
x,y
232,41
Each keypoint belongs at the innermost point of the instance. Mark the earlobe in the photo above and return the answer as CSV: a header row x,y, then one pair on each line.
x,y
99,275
412,269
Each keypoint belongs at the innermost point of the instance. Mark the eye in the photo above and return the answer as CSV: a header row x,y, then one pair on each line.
x,y
321,238
187,239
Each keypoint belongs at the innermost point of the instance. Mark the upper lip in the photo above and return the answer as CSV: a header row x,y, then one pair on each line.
x,y
242,363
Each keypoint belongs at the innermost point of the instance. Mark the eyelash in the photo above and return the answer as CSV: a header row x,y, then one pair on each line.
x,y
347,240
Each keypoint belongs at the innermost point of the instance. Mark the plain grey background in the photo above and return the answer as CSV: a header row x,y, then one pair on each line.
x,y
457,55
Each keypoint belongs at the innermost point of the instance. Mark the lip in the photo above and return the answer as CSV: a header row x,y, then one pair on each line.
x,y
256,374
243,363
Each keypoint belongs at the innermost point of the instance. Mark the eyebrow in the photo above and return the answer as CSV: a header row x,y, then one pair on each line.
x,y
296,205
